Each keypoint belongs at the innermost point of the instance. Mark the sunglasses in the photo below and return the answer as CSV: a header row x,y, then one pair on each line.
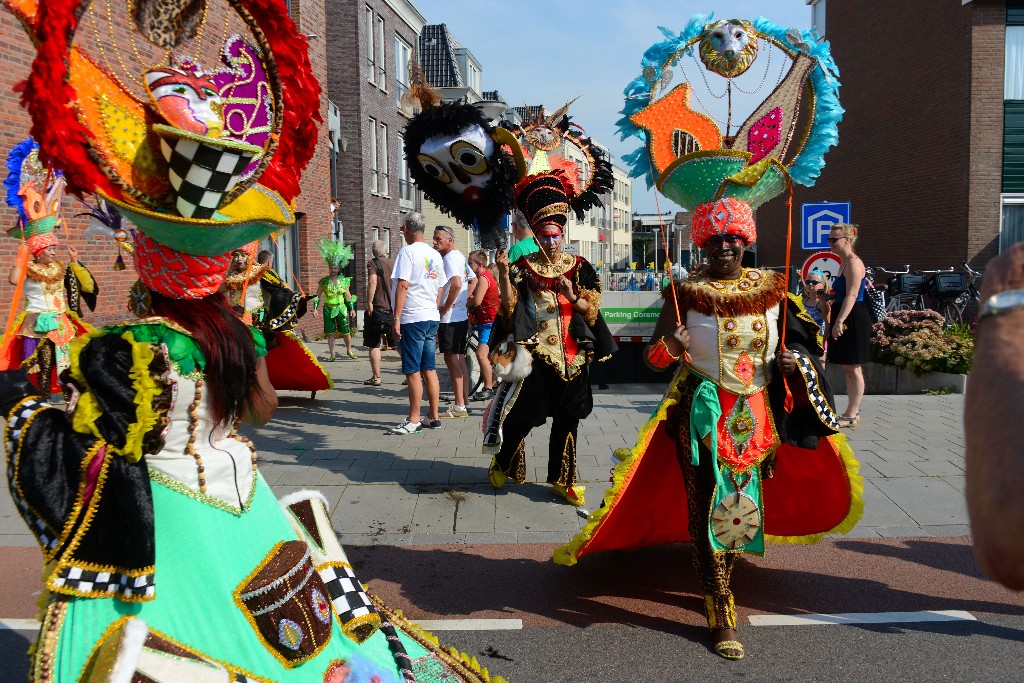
x,y
835,240
813,283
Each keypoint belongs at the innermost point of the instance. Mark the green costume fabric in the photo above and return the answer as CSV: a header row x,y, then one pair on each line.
x,y
337,304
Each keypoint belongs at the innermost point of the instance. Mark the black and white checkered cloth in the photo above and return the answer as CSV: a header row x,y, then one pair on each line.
x,y
201,174
15,422
90,583
347,595
817,397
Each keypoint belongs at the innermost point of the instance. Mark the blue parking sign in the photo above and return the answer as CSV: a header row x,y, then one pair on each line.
x,y
817,219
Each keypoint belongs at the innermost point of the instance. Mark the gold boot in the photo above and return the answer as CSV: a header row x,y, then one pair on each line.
x,y
572,494
497,478
722,616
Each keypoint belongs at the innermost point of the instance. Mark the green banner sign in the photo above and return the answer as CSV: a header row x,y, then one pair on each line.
x,y
631,315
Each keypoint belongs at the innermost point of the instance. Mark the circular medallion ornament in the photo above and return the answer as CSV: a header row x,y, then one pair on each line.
x,y
140,303
733,341
289,634
321,607
736,520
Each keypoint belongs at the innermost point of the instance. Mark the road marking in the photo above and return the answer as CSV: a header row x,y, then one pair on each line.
x,y
19,625
470,624
858,618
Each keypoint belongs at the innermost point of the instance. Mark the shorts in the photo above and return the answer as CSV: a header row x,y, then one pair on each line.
x,y
454,337
418,346
336,320
374,334
483,330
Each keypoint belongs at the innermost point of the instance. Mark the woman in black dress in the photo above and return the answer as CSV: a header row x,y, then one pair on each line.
x,y
850,345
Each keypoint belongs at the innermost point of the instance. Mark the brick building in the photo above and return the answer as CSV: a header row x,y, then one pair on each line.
x,y
369,45
296,246
921,146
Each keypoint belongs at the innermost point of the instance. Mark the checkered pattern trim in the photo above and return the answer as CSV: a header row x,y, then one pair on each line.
x,y
817,397
286,315
92,583
201,174
347,595
16,421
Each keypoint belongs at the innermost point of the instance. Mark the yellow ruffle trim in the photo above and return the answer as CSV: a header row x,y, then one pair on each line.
x,y
87,411
567,554
856,498
85,279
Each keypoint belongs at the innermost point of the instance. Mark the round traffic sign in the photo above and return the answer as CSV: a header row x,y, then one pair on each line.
x,y
825,261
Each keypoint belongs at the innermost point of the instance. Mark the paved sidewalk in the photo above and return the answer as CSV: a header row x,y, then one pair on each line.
x,y
431,488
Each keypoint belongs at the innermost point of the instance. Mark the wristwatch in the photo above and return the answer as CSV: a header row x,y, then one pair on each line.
x,y
1002,302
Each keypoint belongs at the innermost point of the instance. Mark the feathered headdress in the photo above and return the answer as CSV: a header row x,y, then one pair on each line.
x,y
106,221
335,254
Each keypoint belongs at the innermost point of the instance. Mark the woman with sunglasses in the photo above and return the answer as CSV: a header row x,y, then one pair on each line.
x,y
814,299
849,341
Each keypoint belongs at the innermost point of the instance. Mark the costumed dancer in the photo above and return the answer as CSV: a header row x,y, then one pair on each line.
x,y
332,292
290,363
744,447
549,321
167,556
244,283
39,338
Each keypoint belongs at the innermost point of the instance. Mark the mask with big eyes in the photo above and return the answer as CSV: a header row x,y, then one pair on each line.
x,y
460,162
729,47
189,101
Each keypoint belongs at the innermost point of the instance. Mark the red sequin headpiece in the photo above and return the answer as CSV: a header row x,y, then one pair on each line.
x,y
39,243
726,216
175,274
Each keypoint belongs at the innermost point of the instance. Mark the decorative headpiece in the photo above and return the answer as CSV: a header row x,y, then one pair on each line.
x,y
201,152
35,194
557,184
334,253
250,249
458,160
698,156
106,221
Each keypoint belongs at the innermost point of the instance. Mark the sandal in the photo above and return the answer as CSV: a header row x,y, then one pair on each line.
x,y
372,382
730,649
845,422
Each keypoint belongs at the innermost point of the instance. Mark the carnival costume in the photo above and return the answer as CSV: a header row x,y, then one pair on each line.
x,y
551,343
338,302
736,453
167,556
40,336
274,309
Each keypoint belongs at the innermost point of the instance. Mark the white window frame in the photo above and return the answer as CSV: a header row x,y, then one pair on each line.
x,y
405,185
1005,200
372,155
384,166
382,73
403,54
371,52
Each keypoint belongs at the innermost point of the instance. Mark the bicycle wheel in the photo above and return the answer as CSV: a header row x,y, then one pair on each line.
x,y
474,380
951,315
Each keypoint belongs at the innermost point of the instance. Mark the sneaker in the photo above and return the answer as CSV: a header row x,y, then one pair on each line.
x,y
452,413
406,428
432,424
484,395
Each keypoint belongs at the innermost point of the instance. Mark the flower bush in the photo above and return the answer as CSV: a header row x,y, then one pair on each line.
x,y
916,341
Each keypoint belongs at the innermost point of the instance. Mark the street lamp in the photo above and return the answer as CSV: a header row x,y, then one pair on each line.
x,y
492,109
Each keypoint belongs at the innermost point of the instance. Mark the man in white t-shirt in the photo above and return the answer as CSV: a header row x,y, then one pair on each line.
x,y
454,329
416,284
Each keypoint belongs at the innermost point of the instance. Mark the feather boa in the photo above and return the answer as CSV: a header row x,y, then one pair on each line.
x,y
693,296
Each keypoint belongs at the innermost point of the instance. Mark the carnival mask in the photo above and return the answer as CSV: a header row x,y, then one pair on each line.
x,y
460,162
728,47
188,100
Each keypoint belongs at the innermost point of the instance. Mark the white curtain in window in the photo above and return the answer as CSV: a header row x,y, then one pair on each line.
x,y
1013,74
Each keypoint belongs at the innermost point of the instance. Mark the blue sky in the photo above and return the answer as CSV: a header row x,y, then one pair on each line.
x,y
550,51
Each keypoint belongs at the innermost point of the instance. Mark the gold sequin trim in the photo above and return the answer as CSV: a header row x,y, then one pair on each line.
x,y
183,489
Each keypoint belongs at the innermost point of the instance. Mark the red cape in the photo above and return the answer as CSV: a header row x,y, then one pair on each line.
x,y
291,366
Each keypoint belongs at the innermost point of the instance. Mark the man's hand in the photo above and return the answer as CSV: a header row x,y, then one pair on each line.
x,y
565,287
396,330
786,362
678,341
501,260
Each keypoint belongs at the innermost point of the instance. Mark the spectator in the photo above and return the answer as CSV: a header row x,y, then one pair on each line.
x,y
379,311
483,306
992,408
454,328
416,283
649,282
849,321
526,243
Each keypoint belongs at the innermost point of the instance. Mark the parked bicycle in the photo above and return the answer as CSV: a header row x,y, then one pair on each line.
x,y
904,290
954,292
